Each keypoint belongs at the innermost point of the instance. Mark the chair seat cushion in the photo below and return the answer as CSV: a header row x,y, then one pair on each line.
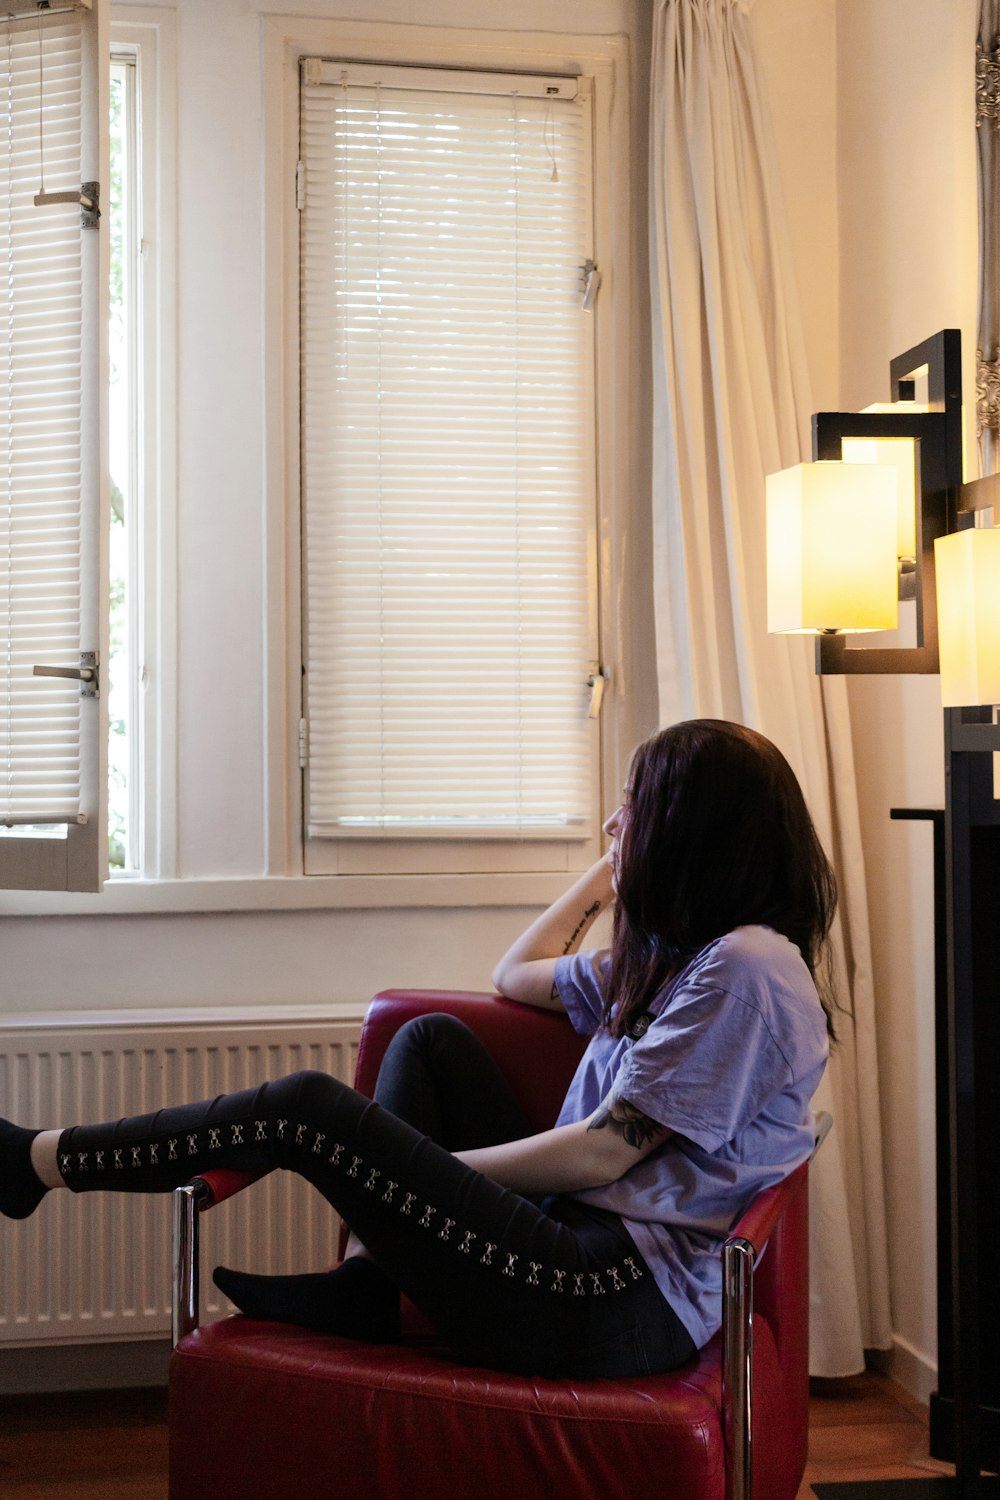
x,y
357,1422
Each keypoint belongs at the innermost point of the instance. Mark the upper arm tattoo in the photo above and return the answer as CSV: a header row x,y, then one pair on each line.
x,y
634,1127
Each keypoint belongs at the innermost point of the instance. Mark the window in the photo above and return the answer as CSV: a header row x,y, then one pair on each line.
x,y
52,725
452,669
117,436
215,623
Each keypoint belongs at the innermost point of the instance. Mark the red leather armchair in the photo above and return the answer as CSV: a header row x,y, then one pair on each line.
x,y
266,1411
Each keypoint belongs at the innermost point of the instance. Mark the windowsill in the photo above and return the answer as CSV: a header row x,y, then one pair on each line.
x,y
182,1018
125,896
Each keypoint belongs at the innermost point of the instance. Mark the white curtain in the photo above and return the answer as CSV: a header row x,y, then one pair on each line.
x,y
730,405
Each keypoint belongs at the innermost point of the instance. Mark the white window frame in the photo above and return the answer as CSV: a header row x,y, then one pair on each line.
x,y
484,871
444,847
148,36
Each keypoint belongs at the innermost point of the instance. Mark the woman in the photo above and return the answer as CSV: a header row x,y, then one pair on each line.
x,y
592,1248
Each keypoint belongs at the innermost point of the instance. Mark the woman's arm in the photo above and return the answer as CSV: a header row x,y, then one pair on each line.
x,y
527,970
591,1153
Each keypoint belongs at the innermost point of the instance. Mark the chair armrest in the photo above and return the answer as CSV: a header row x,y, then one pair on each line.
x,y
194,1198
223,1183
756,1225
764,1219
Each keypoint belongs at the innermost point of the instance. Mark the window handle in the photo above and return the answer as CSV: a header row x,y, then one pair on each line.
x,y
591,285
86,673
597,683
89,198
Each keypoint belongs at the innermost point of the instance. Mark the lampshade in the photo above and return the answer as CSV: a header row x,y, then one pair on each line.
x,y
898,453
967,566
831,548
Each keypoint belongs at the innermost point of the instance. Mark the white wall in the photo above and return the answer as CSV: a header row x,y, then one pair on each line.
x,y
873,105
908,268
93,960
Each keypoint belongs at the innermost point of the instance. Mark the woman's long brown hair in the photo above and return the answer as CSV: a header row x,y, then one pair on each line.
x,y
716,835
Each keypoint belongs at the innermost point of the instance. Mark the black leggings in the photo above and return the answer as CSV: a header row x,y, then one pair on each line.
x,y
552,1288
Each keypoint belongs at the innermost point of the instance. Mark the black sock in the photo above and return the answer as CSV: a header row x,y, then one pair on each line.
x,y
21,1189
356,1299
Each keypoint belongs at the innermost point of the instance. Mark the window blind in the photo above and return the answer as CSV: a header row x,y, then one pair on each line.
x,y
40,422
447,454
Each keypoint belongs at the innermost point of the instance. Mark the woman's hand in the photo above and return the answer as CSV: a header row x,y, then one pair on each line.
x,y
527,970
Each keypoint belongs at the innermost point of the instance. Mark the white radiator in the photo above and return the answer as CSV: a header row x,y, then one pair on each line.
x,y
96,1266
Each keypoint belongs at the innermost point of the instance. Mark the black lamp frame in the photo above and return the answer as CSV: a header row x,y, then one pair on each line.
x,y
965,1410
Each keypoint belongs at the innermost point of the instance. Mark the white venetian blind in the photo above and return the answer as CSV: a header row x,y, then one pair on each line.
x,y
40,421
448,467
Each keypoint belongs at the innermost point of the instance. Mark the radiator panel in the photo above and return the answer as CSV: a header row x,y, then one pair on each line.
x,y
97,1266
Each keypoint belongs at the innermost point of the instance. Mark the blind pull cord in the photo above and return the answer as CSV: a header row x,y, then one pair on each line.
x,y
88,197
547,133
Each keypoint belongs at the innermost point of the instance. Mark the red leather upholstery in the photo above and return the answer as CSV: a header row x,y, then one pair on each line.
x,y
537,1050
263,1411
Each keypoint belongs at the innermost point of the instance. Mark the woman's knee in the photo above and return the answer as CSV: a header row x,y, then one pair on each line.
x,y
430,1038
424,1062
433,1028
305,1091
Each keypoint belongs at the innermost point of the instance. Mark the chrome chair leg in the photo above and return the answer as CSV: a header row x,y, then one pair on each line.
x,y
184,1308
737,1351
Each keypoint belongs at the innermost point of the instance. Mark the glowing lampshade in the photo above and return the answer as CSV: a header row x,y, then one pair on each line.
x,y
898,453
831,548
967,565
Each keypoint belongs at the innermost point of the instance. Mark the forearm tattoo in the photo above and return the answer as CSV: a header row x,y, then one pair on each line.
x,y
631,1124
590,912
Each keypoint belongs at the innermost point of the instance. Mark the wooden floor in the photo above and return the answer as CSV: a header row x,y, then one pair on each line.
x,y
96,1445
112,1445
865,1428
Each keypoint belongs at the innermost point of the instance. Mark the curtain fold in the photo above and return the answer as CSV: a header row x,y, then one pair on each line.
x,y
731,404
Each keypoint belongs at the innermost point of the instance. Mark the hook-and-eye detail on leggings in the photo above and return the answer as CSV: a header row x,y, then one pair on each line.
x,y
292,1143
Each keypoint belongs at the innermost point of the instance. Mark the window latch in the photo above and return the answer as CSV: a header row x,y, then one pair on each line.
x,y
597,682
591,285
88,198
86,674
